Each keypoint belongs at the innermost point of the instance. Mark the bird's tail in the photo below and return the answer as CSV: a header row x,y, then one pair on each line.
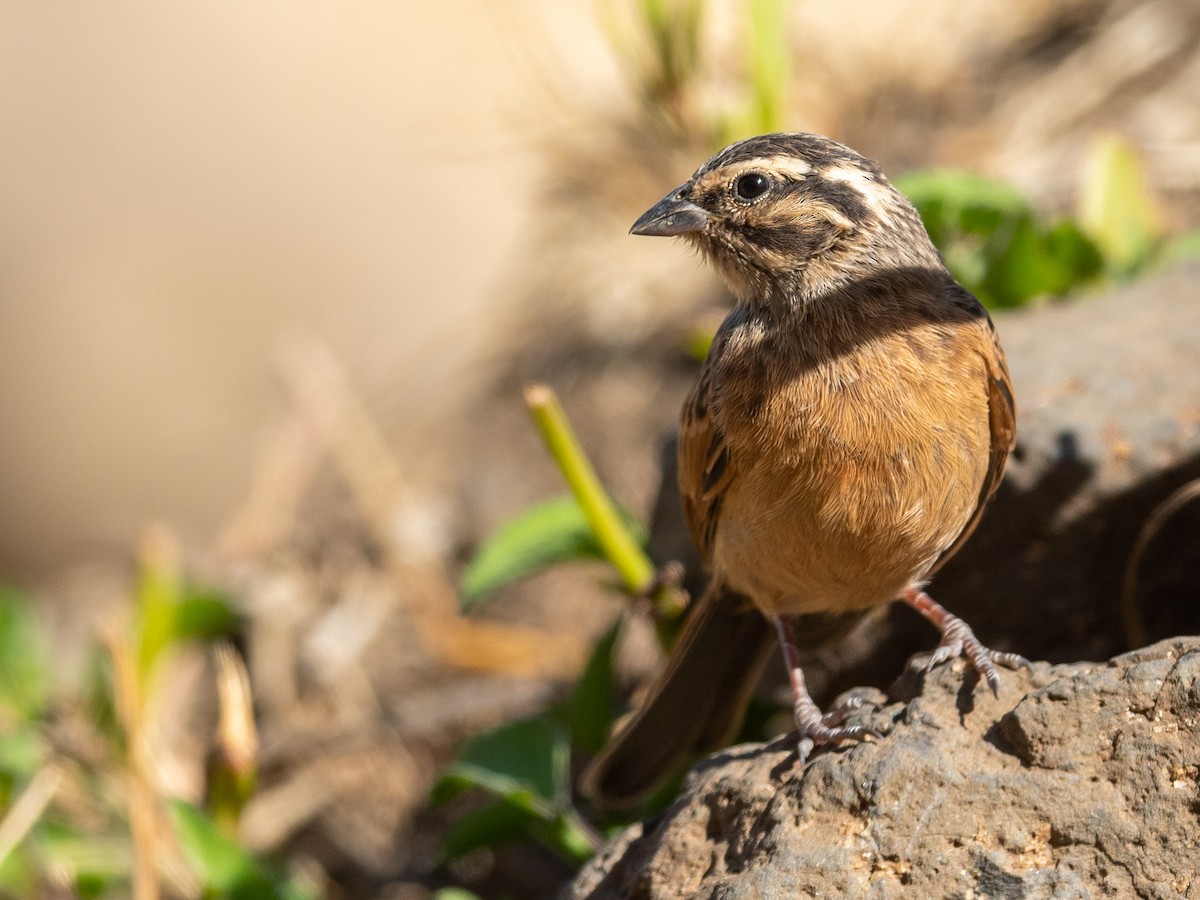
x,y
696,704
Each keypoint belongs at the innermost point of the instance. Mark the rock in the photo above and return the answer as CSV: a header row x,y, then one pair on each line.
x,y
1080,780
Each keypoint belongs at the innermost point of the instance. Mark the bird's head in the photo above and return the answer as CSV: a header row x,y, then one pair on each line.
x,y
790,217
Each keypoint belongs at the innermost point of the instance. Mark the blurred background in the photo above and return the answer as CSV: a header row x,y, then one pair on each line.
x,y
185,188
272,278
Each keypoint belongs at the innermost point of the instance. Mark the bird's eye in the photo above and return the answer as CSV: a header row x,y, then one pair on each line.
x,y
751,185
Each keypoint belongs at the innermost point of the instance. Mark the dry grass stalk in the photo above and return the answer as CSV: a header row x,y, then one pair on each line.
x,y
143,813
28,808
333,411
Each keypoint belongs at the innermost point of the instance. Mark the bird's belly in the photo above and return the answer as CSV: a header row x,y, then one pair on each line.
x,y
837,532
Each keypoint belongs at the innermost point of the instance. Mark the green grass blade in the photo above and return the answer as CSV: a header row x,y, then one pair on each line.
x,y
225,869
25,677
555,531
621,547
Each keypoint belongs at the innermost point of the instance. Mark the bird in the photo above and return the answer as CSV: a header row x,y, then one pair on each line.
x,y
851,421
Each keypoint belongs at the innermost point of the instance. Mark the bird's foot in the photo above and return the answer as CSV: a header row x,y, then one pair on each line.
x,y
959,640
816,728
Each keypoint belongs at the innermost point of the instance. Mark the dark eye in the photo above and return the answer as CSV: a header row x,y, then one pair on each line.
x,y
751,185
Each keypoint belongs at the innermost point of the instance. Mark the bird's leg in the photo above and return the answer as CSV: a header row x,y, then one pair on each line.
x,y
959,640
815,727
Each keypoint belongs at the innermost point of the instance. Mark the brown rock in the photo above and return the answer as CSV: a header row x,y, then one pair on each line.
x,y
1079,781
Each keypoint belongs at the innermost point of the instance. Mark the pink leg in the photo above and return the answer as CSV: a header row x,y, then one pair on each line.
x,y
814,726
959,640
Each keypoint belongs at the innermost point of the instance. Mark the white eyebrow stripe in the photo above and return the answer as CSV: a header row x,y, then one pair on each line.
x,y
850,175
876,195
784,165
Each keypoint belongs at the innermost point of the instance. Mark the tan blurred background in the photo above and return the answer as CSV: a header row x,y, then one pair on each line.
x,y
184,185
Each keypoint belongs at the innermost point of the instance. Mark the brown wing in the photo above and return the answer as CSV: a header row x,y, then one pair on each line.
x,y
704,470
1002,416
1002,422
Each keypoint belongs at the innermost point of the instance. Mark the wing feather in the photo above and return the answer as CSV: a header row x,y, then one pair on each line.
x,y
705,472
1002,424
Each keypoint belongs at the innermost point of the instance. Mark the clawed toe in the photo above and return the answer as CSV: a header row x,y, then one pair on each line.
x,y
943,652
820,735
838,714
958,640
816,728
979,657
1010,660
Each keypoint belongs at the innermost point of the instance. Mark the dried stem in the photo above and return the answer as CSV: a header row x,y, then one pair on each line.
x,y
1135,628
28,808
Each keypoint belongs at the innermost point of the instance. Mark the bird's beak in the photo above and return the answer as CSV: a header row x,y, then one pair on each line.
x,y
670,217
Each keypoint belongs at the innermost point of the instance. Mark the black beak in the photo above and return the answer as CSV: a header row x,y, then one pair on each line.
x,y
670,217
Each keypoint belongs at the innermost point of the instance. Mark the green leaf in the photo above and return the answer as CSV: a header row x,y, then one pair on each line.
x,y
454,893
590,708
508,822
569,837
526,761
973,221
205,615
1116,207
25,678
961,200
1036,263
1021,269
224,868
156,597
552,532
169,610
1077,255
993,241
503,822
622,547
526,766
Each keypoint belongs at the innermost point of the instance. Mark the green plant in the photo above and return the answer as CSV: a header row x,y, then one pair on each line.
x,y
113,834
1005,253
661,46
224,867
994,242
524,767
548,533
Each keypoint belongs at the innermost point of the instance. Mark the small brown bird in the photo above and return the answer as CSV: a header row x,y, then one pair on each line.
x,y
850,423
